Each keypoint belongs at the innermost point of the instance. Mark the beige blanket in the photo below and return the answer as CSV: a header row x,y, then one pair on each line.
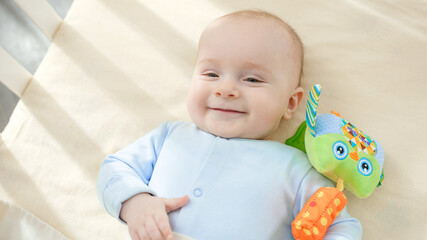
x,y
16,223
116,69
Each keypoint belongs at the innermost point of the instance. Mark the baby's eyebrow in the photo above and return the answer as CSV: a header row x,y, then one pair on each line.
x,y
208,60
260,67
246,64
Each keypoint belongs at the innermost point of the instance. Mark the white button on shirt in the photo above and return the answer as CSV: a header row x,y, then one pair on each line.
x,y
238,188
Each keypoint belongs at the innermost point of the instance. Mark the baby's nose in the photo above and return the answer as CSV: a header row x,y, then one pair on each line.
x,y
227,93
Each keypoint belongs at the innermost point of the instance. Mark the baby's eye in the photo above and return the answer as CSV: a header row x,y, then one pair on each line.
x,y
253,80
212,75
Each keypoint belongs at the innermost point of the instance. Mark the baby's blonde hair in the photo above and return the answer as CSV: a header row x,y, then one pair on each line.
x,y
251,14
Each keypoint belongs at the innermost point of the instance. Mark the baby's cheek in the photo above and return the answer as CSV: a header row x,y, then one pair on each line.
x,y
192,105
197,103
270,112
194,93
272,117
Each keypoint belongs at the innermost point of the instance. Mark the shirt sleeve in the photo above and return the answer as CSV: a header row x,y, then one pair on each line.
x,y
344,226
128,171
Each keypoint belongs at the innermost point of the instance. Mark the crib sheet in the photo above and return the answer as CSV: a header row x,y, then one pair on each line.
x,y
17,223
116,69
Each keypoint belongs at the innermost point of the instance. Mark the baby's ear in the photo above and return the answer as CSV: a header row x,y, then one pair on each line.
x,y
293,103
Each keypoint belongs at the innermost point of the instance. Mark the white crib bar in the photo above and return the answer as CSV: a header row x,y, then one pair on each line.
x,y
12,74
42,14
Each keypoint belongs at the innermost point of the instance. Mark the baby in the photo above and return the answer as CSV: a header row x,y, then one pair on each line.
x,y
223,177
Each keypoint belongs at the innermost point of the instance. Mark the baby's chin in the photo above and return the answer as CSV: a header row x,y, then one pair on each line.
x,y
230,133
229,129
217,132
225,134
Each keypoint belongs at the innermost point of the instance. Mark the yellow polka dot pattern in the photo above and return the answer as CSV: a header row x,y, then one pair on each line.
x,y
318,214
315,231
323,221
337,202
307,232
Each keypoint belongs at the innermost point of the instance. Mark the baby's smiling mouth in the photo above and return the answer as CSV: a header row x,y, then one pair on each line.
x,y
224,110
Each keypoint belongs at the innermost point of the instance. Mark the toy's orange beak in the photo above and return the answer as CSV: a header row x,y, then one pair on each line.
x,y
354,155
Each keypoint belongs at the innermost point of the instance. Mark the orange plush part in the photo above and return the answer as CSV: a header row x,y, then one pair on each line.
x,y
318,214
335,113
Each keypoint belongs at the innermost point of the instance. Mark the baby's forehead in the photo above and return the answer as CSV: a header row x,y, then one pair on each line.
x,y
248,29
238,22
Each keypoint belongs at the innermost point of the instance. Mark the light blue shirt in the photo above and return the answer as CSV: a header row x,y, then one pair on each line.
x,y
238,188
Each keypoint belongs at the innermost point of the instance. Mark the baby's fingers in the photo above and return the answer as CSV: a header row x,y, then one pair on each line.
x,y
162,221
137,233
134,235
152,230
143,236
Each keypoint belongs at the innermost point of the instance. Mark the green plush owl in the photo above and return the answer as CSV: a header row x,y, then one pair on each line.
x,y
338,150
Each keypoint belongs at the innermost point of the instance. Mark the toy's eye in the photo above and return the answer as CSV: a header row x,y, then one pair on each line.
x,y
340,150
365,167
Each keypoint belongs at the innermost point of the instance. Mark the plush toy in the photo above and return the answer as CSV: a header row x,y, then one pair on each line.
x,y
341,152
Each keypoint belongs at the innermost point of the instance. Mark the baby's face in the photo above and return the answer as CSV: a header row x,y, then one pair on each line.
x,y
245,79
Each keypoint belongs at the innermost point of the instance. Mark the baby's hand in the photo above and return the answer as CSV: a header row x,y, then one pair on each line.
x,y
147,217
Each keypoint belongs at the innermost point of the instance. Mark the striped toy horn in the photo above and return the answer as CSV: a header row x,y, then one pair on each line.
x,y
311,108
